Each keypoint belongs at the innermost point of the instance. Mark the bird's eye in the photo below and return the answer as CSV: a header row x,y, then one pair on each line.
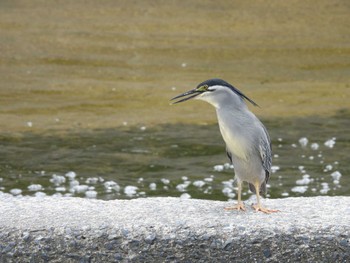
x,y
203,88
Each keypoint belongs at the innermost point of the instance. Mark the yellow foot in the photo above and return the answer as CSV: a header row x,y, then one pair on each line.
x,y
264,209
239,206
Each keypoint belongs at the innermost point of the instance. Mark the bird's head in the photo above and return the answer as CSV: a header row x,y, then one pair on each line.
x,y
215,91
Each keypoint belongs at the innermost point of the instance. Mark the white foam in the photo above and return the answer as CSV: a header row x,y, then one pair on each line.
x,y
306,180
92,180
79,188
218,168
153,186
40,194
199,183
91,194
111,185
130,190
328,167
330,143
314,146
274,168
336,176
60,189
57,179
303,141
299,189
71,175
185,196
165,181
35,187
325,188
15,191
181,187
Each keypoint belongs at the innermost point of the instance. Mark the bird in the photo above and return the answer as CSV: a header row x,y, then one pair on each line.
x,y
248,144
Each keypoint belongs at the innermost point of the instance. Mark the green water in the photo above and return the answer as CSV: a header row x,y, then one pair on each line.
x,y
139,156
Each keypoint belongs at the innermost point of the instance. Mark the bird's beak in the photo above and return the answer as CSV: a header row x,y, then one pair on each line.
x,y
193,93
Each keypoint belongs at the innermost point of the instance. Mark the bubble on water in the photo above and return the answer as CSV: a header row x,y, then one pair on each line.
x,y
111,185
153,186
91,180
60,189
209,179
79,189
330,143
185,196
15,191
125,123
208,190
228,183
218,168
199,183
306,180
184,65
285,194
294,145
325,188
143,128
39,194
311,157
57,179
140,180
228,166
274,168
91,194
275,156
35,187
165,181
336,177
181,187
30,124
173,88
228,191
130,190
71,175
301,168
303,141
299,189
315,146
328,168
279,139
184,178
73,183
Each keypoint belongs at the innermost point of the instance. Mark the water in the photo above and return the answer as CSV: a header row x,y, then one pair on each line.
x,y
85,89
170,160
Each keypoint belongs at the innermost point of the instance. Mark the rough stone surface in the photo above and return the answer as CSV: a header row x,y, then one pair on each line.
x,y
53,229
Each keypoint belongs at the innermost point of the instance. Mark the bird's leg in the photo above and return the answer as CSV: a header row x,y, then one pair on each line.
x,y
258,206
240,205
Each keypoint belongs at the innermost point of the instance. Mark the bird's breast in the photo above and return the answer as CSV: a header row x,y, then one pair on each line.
x,y
235,143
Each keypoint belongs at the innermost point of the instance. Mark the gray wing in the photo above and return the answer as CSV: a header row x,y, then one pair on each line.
x,y
266,159
266,153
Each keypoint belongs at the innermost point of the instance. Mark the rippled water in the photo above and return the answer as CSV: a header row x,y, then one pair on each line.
x,y
170,160
85,89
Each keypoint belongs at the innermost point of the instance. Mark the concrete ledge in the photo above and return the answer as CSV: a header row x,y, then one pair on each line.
x,y
172,230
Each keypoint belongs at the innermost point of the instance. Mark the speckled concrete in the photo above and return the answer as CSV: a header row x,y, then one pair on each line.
x,y
53,229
